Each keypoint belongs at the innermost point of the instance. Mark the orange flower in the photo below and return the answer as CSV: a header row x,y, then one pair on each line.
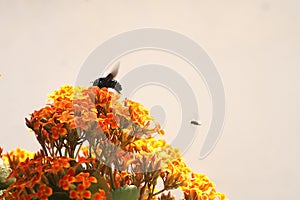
x,y
58,163
121,178
100,97
107,122
80,193
44,192
67,179
28,175
139,114
58,131
86,179
100,195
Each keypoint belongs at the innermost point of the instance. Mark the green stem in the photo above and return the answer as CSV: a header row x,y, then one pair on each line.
x,y
90,151
78,150
112,182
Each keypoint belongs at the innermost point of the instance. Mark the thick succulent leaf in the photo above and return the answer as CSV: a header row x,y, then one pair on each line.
x,y
130,192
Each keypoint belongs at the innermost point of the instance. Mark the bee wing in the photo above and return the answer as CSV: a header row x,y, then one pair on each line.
x,y
115,70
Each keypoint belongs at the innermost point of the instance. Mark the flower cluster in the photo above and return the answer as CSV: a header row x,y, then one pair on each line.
x,y
200,187
96,146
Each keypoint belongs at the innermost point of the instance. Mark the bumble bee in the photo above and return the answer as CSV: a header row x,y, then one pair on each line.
x,y
109,81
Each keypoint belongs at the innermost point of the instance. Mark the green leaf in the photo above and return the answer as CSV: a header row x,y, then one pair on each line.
x,y
59,195
130,192
4,172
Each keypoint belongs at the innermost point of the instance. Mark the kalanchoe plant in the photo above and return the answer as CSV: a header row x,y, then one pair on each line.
x,y
96,146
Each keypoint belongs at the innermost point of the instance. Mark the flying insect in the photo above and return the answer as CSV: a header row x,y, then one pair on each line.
x,y
109,81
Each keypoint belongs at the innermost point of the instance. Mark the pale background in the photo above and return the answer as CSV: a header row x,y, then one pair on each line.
x,y
255,45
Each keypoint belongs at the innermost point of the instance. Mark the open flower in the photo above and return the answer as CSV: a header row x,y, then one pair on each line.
x,y
80,193
44,192
139,114
100,195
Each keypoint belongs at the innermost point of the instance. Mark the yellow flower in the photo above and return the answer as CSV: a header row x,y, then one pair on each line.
x,y
18,155
66,92
138,113
200,187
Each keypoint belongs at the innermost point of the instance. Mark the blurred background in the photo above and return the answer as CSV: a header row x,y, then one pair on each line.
x,y
254,44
